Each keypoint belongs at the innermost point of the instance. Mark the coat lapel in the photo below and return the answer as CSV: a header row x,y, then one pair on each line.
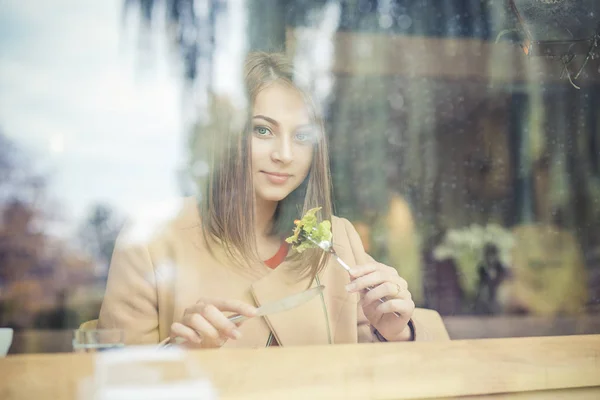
x,y
306,324
320,320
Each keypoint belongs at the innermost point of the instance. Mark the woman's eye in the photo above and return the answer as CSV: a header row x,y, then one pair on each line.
x,y
304,137
262,131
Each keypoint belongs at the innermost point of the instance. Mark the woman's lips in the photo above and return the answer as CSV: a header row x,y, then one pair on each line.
x,y
276,178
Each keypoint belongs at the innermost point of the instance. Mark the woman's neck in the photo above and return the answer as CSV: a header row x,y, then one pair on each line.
x,y
263,217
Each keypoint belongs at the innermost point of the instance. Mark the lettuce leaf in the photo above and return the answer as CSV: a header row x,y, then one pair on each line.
x,y
309,227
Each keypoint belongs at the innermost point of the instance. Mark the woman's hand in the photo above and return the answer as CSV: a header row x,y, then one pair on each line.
x,y
385,282
204,325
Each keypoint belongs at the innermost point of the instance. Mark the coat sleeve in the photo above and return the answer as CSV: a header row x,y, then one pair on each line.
x,y
365,330
130,302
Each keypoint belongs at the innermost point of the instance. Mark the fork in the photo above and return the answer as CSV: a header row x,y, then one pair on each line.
x,y
327,246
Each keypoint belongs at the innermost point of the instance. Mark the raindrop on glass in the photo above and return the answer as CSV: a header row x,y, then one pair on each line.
x,y
404,22
200,168
385,21
396,101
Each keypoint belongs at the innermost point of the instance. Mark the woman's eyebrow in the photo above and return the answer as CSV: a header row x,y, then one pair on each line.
x,y
270,120
307,126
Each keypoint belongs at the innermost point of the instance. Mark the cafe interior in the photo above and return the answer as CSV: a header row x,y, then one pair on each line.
x,y
464,147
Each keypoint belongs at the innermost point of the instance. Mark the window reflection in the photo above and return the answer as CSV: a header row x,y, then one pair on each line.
x,y
464,143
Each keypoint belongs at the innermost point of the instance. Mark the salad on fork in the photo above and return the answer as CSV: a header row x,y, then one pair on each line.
x,y
309,233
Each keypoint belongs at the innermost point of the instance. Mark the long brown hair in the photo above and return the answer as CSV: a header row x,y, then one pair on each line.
x,y
227,206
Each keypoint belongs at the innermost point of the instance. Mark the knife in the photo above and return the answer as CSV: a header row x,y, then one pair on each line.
x,y
287,303
280,305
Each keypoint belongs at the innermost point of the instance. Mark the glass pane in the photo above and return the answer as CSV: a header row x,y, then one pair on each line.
x,y
463,142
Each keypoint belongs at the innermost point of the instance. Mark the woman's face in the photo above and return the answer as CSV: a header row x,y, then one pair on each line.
x,y
283,137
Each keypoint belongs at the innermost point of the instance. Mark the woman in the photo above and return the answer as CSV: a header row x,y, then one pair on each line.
x,y
209,261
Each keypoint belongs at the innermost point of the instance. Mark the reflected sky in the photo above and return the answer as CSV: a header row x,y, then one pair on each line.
x,y
97,116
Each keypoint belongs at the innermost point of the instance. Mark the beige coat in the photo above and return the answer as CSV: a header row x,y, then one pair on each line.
x,y
152,280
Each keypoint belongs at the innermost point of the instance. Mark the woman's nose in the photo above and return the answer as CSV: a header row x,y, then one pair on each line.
x,y
283,152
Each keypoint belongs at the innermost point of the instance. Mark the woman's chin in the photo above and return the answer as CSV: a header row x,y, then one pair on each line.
x,y
273,195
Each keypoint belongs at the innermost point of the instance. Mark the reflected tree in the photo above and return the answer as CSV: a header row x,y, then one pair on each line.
x,y
99,232
37,270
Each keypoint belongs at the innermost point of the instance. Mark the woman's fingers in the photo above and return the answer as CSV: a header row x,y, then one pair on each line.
x,y
385,299
400,306
184,332
376,278
388,290
204,328
360,270
205,322
235,306
221,323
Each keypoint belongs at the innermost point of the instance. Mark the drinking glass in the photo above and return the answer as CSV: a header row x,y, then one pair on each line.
x,y
94,340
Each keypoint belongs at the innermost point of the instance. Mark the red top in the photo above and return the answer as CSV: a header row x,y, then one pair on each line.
x,y
278,258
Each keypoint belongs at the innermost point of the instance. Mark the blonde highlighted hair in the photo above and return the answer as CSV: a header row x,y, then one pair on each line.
x,y
227,206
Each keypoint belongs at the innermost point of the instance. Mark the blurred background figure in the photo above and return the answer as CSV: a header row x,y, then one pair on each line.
x,y
491,275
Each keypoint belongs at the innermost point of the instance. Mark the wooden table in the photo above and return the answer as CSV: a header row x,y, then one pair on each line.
x,y
539,368
459,327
